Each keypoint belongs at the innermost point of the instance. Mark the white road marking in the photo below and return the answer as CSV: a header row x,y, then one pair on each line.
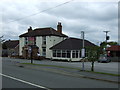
x,y
20,80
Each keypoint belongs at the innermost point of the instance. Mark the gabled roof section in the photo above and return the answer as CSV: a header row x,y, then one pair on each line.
x,y
71,44
43,32
113,48
11,43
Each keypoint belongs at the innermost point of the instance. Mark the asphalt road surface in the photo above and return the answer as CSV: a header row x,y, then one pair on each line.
x,y
111,67
11,83
14,76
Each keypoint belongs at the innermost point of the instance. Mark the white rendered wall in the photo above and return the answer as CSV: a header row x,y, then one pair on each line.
x,y
51,41
21,44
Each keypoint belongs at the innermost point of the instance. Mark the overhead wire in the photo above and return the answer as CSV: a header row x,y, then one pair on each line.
x,y
40,12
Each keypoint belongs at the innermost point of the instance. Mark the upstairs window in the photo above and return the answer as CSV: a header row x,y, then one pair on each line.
x,y
44,51
26,40
44,40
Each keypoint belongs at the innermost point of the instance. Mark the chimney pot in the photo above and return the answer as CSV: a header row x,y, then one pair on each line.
x,y
29,29
59,27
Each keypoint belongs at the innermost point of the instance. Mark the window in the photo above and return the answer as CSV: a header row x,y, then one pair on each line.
x,y
68,54
76,54
44,51
58,53
44,40
73,54
26,40
79,54
64,53
54,53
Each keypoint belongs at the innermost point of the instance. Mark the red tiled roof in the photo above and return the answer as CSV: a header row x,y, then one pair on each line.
x,y
114,48
43,32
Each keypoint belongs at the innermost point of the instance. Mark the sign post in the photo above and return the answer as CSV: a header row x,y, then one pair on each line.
x,y
30,51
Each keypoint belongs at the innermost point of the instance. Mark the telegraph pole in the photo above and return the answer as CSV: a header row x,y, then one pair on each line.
x,y
83,50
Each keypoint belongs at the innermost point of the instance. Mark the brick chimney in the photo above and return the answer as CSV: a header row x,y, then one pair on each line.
x,y
29,29
59,27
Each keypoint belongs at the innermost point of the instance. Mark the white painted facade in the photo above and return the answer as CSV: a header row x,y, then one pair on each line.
x,y
50,41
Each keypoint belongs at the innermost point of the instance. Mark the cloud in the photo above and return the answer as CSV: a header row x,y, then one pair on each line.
x,y
91,17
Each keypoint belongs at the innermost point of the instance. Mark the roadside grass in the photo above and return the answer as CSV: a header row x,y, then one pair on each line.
x,y
72,68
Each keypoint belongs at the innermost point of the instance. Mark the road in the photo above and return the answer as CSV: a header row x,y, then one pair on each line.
x,y
14,76
111,67
11,83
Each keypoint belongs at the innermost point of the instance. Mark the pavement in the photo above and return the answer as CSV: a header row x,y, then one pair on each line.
x,y
72,72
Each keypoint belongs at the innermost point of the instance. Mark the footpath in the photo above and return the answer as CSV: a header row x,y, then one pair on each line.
x,y
73,72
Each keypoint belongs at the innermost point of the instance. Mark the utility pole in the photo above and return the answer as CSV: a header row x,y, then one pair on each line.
x,y
107,37
83,50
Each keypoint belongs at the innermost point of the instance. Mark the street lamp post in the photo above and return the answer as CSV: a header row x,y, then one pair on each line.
x,y
83,51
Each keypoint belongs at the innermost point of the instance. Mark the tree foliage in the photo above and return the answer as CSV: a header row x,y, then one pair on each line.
x,y
93,55
4,46
104,45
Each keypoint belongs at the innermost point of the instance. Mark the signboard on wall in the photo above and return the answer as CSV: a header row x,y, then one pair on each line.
x,y
31,40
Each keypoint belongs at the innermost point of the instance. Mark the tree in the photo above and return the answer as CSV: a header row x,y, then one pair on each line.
x,y
103,45
1,39
93,55
4,46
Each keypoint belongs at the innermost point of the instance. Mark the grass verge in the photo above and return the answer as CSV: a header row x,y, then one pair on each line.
x,y
72,68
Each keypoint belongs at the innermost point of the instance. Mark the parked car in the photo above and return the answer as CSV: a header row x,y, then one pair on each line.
x,y
104,58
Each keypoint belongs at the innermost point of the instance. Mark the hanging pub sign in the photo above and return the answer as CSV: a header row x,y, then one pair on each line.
x,y
31,40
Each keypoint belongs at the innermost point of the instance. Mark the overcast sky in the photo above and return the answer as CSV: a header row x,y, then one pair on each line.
x,y
75,16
